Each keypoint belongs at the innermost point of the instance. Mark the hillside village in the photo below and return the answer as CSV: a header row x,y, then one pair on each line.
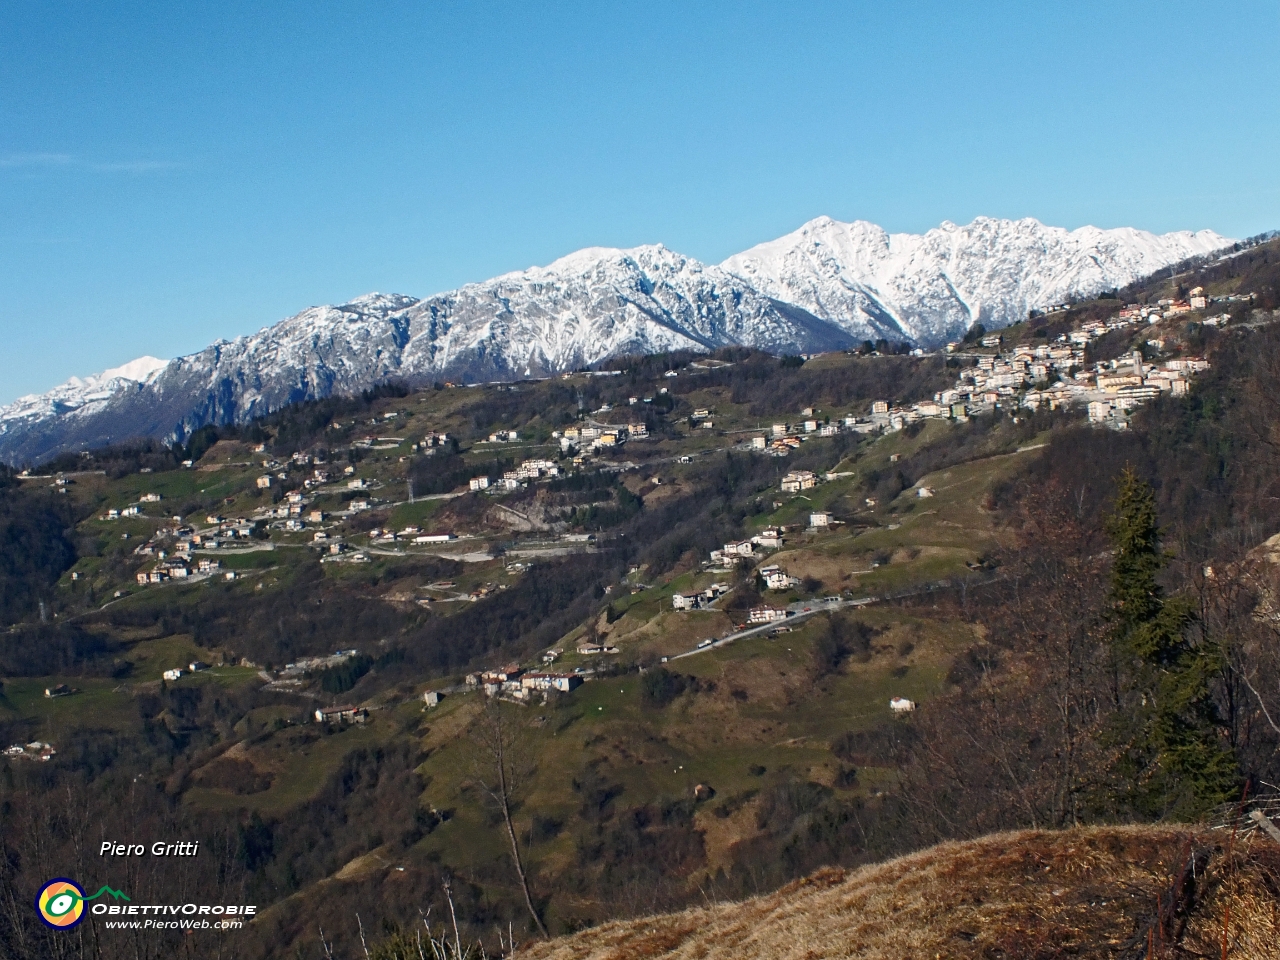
x,y
702,585
313,495
748,481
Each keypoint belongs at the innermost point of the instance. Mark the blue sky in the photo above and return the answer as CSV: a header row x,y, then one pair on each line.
x,y
175,173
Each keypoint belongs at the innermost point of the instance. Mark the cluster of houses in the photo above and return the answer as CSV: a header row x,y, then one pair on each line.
x,y
180,567
589,649
798,480
770,538
785,437
995,379
1125,384
195,666
1054,375
598,437
515,682
134,509
732,554
409,534
529,470
292,507
430,442
35,750
186,540
700,598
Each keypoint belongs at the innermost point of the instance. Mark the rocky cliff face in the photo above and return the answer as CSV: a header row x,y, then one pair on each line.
x,y
931,288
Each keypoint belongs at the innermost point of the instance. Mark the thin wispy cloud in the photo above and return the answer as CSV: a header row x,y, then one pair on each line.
x,y
66,161
11,160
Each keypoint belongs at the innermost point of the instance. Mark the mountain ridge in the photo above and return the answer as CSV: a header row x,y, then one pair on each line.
x,y
931,287
825,286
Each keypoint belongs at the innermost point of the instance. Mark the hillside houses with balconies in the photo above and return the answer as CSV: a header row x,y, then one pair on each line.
x,y
766,615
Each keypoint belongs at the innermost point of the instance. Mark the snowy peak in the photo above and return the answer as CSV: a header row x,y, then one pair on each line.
x,y
932,287
597,303
378,303
82,395
822,287
139,371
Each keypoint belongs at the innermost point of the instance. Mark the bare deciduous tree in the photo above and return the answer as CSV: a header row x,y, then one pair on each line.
x,y
502,767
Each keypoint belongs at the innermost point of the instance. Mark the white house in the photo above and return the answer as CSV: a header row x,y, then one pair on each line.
x,y
595,649
766,615
819,520
798,480
564,682
901,705
346,714
770,539
777,579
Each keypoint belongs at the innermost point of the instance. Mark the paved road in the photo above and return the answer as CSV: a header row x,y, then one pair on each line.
x,y
801,610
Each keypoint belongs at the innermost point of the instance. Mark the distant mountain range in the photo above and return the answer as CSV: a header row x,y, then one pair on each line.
x,y
826,286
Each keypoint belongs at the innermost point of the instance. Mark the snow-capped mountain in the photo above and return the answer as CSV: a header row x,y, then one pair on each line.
x,y
581,309
600,303
823,287
931,288
80,397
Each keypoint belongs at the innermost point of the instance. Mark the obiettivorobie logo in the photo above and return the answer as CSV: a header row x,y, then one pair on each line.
x,y
60,902
61,905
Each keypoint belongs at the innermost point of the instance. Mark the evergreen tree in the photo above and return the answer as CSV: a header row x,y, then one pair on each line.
x,y
1169,759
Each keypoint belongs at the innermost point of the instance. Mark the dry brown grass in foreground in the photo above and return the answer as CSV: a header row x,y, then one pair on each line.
x,y
1160,892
